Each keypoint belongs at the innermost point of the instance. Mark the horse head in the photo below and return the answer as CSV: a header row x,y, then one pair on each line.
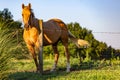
x,y
27,15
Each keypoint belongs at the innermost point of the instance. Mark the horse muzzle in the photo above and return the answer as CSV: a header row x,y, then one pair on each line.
x,y
26,25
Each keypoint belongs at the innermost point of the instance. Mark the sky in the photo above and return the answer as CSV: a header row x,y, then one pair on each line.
x,y
96,15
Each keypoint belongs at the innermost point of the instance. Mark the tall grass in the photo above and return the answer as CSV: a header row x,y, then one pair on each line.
x,y
7,48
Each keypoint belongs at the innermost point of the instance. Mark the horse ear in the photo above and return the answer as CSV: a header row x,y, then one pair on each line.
x,y
29,5
23,6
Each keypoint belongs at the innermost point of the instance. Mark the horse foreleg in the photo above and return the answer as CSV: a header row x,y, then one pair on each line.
x,y
68,57
32,51
56,53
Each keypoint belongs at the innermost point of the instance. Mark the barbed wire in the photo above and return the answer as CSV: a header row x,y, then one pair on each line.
x,y
107,32
79,31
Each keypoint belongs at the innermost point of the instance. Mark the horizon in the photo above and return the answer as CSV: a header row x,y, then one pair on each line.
x,y
95,15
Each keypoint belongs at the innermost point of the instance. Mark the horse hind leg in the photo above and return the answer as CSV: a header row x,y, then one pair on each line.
x,y
67,56
56,54
65,43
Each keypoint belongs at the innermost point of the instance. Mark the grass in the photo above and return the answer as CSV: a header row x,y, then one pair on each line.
x,y
7,48
93,70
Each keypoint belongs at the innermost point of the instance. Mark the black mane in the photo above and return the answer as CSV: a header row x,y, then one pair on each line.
x,y
32,13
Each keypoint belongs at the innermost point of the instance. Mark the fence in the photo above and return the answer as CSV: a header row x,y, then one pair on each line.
x,y
111,38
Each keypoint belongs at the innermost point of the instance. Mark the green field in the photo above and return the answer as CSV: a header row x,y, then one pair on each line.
x,y
87,70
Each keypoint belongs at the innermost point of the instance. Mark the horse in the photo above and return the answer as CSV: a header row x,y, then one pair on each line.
x,y
54,30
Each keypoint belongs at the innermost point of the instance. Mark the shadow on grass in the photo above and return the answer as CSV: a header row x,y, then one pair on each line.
x,y
28,75
47,75
89,65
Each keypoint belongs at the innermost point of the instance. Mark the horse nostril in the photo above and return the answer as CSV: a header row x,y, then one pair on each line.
x,y
26,25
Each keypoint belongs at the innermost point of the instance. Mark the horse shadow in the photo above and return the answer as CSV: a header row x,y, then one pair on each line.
x,y
30,75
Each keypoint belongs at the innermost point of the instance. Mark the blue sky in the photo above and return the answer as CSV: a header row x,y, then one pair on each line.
x,y
96,15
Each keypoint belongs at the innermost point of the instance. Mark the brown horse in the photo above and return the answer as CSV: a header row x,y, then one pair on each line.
x,y
54,30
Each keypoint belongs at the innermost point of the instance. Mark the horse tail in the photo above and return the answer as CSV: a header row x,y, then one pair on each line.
x,y
78,42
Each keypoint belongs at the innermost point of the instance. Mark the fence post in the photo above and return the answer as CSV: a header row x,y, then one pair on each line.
x,y
40,55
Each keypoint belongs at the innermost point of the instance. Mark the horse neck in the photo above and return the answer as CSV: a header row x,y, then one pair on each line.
x,y
35,23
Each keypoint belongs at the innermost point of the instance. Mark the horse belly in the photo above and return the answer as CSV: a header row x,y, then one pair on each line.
x,y
51,36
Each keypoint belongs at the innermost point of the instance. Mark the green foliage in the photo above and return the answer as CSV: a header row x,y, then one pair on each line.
x,y
7,48
6,15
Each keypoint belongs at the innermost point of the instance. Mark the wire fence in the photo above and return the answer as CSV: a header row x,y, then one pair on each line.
x,y
107,32
111,38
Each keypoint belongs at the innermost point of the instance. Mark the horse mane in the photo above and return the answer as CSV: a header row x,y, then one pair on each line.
x,y
32,18
32,13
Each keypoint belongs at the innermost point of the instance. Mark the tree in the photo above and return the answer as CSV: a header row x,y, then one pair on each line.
x,y
6,15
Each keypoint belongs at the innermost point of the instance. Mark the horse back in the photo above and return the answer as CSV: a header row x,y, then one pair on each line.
x,y
53,31
61,24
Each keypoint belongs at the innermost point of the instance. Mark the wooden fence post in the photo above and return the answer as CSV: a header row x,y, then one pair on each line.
x,y
40,55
